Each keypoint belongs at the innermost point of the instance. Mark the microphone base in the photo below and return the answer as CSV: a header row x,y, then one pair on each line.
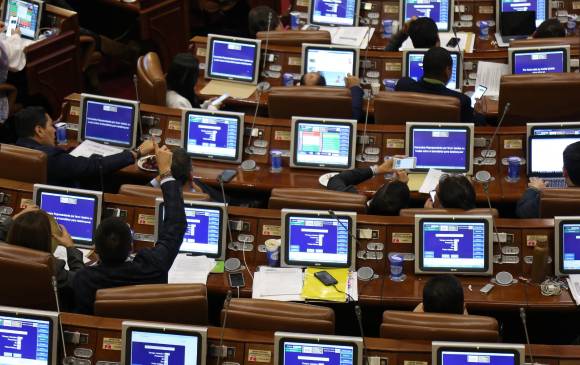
x,y
263,86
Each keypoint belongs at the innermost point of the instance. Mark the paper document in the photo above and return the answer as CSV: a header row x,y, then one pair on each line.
x,y
89,148
190,269
352,285
60,253
357,37
489,75
283,284
574,285
233,89
466,42
431,181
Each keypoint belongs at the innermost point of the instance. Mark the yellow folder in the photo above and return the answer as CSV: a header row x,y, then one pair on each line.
x,y
316,290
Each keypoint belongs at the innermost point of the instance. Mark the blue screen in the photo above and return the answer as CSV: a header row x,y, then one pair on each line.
x,y
24,341
571,246
333,64
454,245
445,149
323,144
336,12
212,135
300,353
438,10
415,69
538,62
539,6
477,358
76,213
27,14
149,348
233,60
109,123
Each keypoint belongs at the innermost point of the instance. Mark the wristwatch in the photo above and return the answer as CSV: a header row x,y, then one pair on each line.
x,y
137,150
165,175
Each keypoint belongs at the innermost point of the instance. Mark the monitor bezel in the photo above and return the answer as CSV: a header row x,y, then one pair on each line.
x,y
280,338
208,57
470,127
38,189
486,219
329,47
51,317
285,215
311,16
129,326
459,69
437,347
220,255
40,4
324,121
213,113
513,51
402,12
99,98
498,14
558,242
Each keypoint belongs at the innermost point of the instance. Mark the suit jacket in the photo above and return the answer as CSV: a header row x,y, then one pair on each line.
x,y
149,266
347,180
529,204
356,94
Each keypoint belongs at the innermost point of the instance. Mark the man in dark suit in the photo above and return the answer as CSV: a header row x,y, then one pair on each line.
x,y
36,131
113,244
437,70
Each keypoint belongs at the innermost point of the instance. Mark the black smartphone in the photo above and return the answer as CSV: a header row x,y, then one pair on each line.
x,y
453,42
227,175
236,280
325,278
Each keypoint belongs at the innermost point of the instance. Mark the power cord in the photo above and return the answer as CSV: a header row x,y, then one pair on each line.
x,y
349,297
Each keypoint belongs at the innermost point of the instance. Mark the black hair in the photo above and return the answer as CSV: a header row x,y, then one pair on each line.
x,y
456,191
181,165
113,241
27,119
258,20
182,76
550,28
390,199
436,61
321,81
443,294
423,32
572,162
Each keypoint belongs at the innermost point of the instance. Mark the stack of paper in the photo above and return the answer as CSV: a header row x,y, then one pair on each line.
x,y
89,148
466,41
431,181
574,285
357,37
190,269
60,253
284,284
489,75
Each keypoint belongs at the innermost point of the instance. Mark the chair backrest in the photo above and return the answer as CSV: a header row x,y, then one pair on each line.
x,y
272,315
26,165
559,202
171,303
401,107
10,92
295,37
150,192
540,98
438,327
314,101
27,278
574,42
304,198
411,212
151,80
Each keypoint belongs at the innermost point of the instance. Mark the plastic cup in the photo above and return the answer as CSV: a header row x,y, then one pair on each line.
x,y
294,20
387,28
273,251
483,30
514,163
276,158
396,263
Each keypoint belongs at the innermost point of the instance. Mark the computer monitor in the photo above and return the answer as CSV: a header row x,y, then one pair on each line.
x,y
212,135
567,245
333,62
413,67
317,238
79,211
546,144
147,343
541,7
109,120
326,144
28,337
443,146
460,244
539,60
232,59
340,13
472,353
206,228
309,349
28,14
441,11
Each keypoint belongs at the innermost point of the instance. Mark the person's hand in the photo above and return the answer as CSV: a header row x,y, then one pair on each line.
x,y
164,157
351,81
537,183
147,148
63,237
402,176
428,203
386,166
407,24
28,208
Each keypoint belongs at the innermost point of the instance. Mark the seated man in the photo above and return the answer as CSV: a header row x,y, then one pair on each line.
x,y
388,200
35,130
529,204
437,70
442,294
453,192
423,33
550,28
258,20
114,243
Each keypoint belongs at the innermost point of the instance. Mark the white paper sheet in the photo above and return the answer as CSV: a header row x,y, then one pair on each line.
x,y
283,284
431,181
489,75
466,41
60,253
574,285
88,148
190,269
352,287
357,37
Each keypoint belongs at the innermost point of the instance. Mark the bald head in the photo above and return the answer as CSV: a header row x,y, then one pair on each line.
x,y
313,79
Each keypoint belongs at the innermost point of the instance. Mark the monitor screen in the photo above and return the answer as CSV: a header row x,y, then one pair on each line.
x,y
334,63
27,337
322,143
305,349
443,147
467,353
205,228
413,67
77,210
567,245
233,59
317,238
334,12
545,155
213,135
538,61
28,14
453,244
541,8
109,121
440,11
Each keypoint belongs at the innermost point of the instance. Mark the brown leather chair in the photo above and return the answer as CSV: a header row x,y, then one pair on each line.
x,y
404,325
26,278
401,107
89,55
540,98
151,80
411,212
272,315
153,193
27,165
313,101
559,202
304,198
171,303
294,38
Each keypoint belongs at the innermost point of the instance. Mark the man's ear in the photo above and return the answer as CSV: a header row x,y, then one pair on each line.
x,y
38,131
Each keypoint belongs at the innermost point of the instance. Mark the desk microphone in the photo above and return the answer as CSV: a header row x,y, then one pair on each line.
x,y
365,64
335,217
524,323
221,351
138,97
358,313
265,85
66,360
